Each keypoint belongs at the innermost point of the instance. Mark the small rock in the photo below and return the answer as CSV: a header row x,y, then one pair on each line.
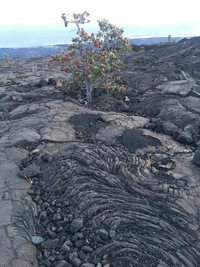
x,y
169,128
47,263
52,81
70,217
82,256
79,243
103,234
65,248
60,228
63,263
184,138
61,240
49,243
69,243
41,83
76,225
46,156
80,235
73,257
112,233
87,264
36,239
30,171
53,203
196,138
45,205
191,129
49,211
122,105
74,238
87,249
196,158
51,233
56,217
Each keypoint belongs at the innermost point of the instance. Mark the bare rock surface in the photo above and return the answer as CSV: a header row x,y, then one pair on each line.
x,y
102,185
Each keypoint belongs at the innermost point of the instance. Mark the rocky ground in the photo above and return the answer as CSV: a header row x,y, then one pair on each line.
x,y
112,184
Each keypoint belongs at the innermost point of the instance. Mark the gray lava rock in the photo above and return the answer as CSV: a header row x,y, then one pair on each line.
x,y
87,249
191,129
49,211
36,239
76,225
112,233
87,264
51,233
79,243
30,171
65,248
181,88
46,156
46,263
184,138
49,243
103,234
56,217
73,257
196,158
41,83
63,263
122,106
45,205
69,243
169,128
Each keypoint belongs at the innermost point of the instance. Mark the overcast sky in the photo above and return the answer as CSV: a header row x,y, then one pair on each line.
x,y
124,12
138,18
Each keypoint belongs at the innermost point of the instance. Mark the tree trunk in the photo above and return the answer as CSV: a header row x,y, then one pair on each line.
x,y
89,89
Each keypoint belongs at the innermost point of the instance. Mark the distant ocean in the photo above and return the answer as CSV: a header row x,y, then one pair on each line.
x,y
31,36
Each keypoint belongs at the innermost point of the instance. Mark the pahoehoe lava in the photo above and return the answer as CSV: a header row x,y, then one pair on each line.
x,y
124,213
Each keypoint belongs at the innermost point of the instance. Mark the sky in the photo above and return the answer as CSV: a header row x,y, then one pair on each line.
x,y
126,12
155,17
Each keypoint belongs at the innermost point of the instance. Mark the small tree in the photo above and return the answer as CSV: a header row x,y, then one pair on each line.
x,y
93,59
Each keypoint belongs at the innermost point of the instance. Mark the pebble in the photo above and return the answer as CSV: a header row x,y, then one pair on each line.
x,y
79,243
49,243
30,171
87,249
46,156
56,217
76,225
63,263
103,233
112,233
87,264
73,257
184,137
65,248
36,239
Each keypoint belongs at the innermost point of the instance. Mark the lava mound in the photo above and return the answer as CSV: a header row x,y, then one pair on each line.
x,y
103,206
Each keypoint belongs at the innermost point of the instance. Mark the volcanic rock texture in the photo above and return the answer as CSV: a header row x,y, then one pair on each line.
x,y
115,183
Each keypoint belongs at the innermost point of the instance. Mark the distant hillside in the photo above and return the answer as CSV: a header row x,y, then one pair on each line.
x,y
30,52
153,40
42,51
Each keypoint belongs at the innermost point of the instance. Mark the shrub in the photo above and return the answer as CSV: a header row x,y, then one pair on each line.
x,y
93,59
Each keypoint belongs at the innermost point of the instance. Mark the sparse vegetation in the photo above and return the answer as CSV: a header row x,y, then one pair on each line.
x,y
93,59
